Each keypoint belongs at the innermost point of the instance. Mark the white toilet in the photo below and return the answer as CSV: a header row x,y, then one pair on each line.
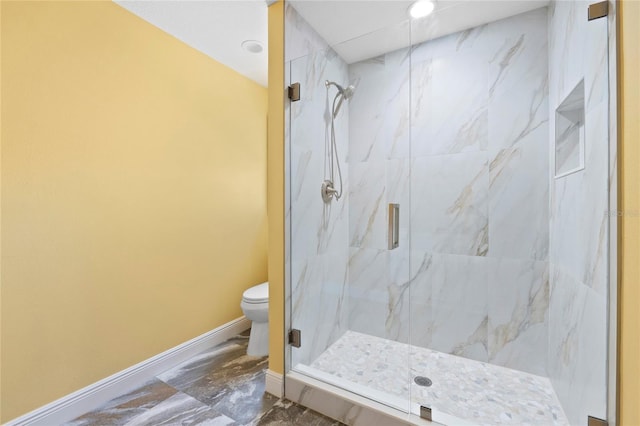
x,y
255,305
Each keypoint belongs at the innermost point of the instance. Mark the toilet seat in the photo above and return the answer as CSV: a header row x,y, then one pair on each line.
x,y
257,294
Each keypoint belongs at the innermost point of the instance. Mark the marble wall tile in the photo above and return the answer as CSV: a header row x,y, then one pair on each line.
x,y
449,197
578,239
317,227
451,116
579,224
516,114
368,207
577,355
398,181
320,304
379,292
399,295
519,199
518,51
518,314
567,35
368,291
479,162
319,231
596,66
300,38
367,138
379,129
421,292
472,38
460,305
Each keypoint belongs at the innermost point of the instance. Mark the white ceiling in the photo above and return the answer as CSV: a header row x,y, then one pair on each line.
x,y
356,29
217,28
359,29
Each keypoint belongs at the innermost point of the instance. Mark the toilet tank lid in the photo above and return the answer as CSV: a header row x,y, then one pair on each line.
x,y
258,293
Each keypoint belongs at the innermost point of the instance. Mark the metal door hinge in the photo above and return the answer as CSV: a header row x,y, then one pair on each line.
x,y
295,338
294,92
425,413
598,10
594,421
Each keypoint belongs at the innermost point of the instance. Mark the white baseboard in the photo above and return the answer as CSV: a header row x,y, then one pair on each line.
x,y
274,384
95,395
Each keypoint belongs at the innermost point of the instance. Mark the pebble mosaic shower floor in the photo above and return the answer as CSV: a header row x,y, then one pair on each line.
x,y
475,391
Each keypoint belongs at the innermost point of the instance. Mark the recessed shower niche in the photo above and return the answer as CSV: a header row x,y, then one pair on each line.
x,y
569,146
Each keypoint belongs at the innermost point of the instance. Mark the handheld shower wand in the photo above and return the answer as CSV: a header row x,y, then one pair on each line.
x,y
327,190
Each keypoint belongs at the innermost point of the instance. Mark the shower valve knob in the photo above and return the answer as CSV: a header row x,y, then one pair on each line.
x,y
327,191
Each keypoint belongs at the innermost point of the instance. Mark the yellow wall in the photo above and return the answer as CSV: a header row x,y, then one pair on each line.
x,y
0,213
629,352
276,187
133,195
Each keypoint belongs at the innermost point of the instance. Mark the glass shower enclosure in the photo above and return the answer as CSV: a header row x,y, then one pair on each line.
x,y
447,189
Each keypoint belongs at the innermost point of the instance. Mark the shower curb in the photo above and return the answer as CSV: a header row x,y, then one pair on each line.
x,y
344,406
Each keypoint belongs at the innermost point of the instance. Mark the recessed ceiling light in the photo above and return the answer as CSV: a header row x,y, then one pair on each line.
x,y
421,8
253,46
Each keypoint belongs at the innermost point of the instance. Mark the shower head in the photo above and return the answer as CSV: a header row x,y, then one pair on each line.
x,y
342,93
348,92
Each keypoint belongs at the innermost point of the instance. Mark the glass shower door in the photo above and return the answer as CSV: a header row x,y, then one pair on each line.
x,y
349,213
509,189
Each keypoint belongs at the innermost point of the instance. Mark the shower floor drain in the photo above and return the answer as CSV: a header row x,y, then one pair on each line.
x,y
423,381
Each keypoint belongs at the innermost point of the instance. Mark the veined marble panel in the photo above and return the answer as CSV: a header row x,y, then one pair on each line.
x,y
577,347
518,80
449,197
459,305
379,127
519,199
398,306
368,205
518,112
473,38
421,299
319,240
368,291
518,314
518,51
567,48
300,39
596,66
317,227
579,202
398,180
449,110
320,303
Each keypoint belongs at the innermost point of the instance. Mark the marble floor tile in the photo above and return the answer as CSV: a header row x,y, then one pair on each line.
x,y
181,409
285,413
120,410
223,377
220,386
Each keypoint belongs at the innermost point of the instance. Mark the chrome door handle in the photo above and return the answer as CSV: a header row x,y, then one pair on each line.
x,y
394,226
